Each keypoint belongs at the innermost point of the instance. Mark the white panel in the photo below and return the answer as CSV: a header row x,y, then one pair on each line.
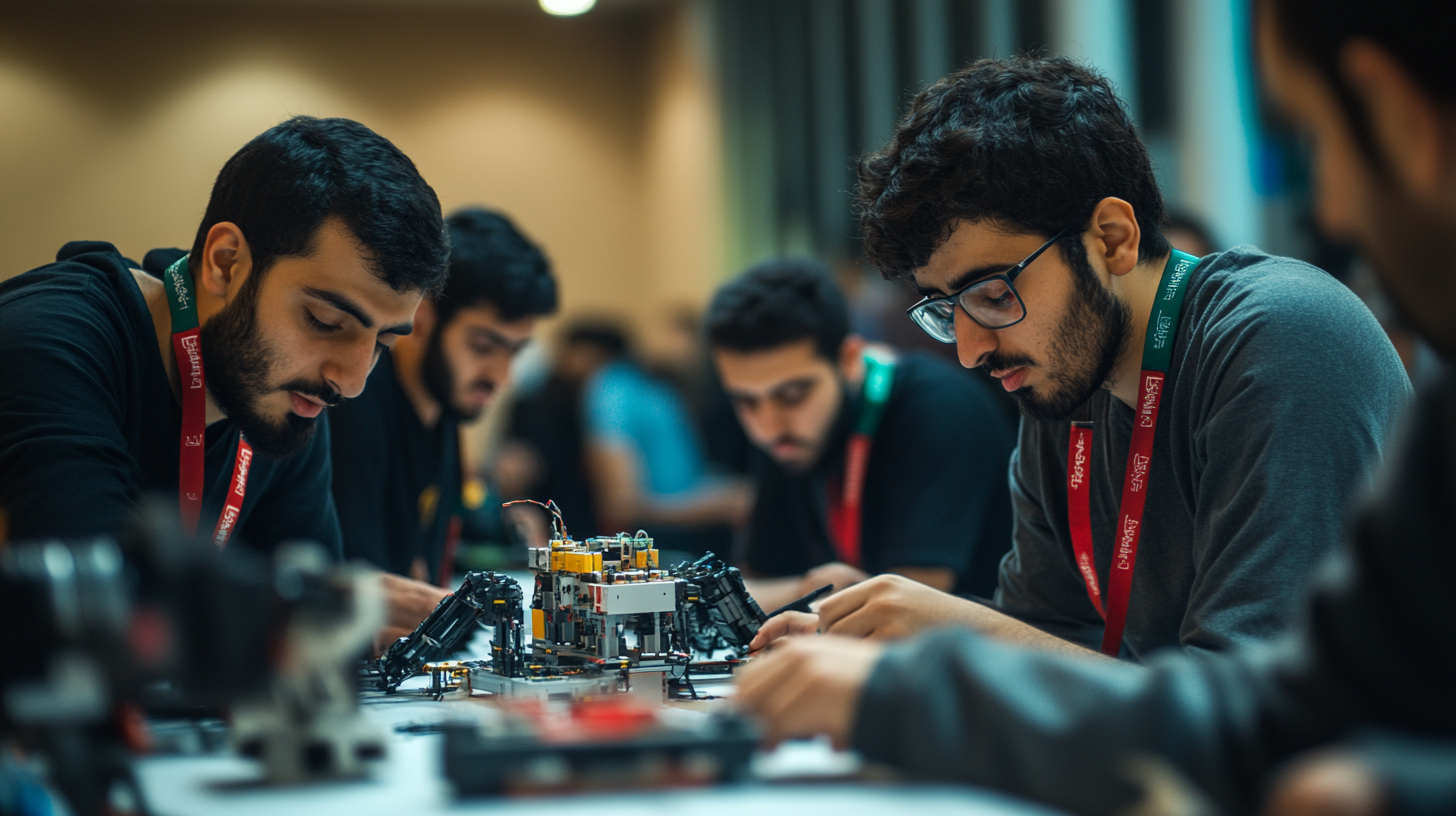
x,y
631,599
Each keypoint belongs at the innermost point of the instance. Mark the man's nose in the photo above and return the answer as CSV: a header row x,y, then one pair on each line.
x,y
973,341
495,369
348,370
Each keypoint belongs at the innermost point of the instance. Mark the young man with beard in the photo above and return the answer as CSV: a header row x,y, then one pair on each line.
x,y
396,453
204,383
842,487
1179,471
1371,665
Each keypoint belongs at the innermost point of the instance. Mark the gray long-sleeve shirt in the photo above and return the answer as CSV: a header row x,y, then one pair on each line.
x,y
1375,648
1280,397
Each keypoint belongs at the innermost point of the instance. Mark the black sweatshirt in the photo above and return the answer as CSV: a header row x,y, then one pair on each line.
x,y
89,424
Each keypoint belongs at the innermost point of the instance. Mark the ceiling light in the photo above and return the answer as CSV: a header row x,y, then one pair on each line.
x,y
567,8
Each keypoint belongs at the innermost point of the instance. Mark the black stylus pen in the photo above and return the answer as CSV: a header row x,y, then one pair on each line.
x,y
802,604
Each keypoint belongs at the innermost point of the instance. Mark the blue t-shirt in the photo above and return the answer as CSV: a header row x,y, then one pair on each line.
x,y
625,407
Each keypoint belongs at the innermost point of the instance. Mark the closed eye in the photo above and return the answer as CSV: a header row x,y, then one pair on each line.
x,y
319,325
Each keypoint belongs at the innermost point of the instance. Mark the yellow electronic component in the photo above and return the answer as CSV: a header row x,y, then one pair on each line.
x,y
596,562
538,624
641,559
558,560
652,557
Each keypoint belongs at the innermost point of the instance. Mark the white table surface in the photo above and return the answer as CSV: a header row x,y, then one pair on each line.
x,y
410,781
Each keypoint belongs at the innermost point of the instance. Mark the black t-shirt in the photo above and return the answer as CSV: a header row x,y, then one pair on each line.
x,y
89,424
391,474
935,490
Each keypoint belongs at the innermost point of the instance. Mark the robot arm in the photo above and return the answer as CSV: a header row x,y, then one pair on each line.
x,y
490,595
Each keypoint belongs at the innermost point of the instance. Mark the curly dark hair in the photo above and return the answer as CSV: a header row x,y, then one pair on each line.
x,y
1029,143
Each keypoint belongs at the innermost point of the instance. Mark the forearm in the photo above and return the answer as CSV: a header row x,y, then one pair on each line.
x,y
708,506
1007,629
956,707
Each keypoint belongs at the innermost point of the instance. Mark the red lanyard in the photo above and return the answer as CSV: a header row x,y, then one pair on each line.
x,y
186,346
1157,358
845,497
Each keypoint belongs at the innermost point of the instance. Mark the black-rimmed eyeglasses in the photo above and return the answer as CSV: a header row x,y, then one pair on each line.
x,y
992,302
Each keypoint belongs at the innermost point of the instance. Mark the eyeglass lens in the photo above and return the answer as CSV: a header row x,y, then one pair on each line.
x,y
992,304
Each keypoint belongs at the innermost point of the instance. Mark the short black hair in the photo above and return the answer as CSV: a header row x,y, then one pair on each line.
x,y
777,302
281,187
1031,143
492,262
1409,30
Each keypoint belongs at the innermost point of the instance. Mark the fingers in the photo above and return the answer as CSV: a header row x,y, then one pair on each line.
x,y
773,687
845,602
808,686
863,622
783,625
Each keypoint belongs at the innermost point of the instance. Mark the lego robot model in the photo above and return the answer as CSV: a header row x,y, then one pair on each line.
x,y
488,597
601,605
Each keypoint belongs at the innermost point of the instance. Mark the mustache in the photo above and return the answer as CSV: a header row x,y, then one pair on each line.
x,y
995,361
323,392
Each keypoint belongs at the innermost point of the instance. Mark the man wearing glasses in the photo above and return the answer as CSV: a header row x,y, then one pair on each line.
x,y
1194,429
397,467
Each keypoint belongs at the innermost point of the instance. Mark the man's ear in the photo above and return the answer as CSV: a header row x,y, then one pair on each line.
x,y
425,318
851,358
1406,124
226,260
1115,235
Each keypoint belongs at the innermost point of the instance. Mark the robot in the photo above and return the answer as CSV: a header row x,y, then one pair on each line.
x,y
601,606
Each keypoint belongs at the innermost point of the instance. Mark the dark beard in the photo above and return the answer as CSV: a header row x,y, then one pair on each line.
x,y
440,383
238,364
1084,350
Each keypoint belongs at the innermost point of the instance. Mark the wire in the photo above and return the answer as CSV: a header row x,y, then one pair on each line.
x,y
558,524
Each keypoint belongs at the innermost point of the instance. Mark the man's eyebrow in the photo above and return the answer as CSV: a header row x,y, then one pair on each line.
x,y
354,310
964,279
498,338
807,379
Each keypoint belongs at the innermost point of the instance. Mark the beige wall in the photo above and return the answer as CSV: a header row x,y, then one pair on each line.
x,y
597,133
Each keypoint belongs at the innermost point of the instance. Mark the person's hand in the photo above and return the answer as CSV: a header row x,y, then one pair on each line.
x,y
386,637
839,574
410,601
1327,783
893,606
808,686
784,625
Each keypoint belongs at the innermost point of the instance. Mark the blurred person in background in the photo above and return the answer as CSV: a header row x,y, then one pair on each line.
x,y
644,461
543,455
1176,411
1187,233
1364,682
319,241
850,477
398,476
